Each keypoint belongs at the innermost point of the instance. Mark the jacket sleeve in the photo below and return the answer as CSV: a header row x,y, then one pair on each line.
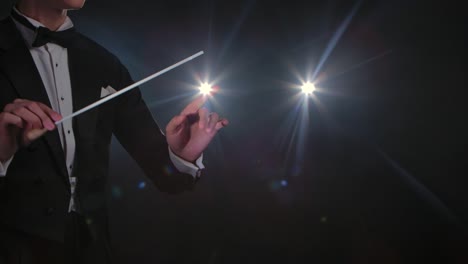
x,y
142,138
6,96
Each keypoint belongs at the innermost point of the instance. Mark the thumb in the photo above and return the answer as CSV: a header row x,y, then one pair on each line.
x,y
175,124
33,134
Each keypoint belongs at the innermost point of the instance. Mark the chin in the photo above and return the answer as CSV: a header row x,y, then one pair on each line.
x,y
72,4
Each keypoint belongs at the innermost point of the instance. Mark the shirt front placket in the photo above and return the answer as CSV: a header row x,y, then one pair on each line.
x,y
59,60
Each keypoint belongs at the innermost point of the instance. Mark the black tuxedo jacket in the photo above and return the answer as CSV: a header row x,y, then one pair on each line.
x,y
35,193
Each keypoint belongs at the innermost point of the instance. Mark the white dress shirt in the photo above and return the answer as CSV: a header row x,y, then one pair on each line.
x,y
52,63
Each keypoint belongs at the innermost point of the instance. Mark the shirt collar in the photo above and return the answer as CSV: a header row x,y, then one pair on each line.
x,y
28,34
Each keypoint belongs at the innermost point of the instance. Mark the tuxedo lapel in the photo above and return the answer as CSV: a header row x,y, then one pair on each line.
x,y
17,64
85,91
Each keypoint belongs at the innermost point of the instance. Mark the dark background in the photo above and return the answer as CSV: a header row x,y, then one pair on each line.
x,y
375,176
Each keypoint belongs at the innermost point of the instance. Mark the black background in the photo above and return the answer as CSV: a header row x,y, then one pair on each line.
x,y
380,177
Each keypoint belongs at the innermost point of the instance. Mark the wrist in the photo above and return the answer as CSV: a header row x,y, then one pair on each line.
x,y
190,159
185,156
7,154
4,159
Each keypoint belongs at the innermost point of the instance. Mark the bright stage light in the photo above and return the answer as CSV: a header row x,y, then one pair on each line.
x,y
308,88
205,88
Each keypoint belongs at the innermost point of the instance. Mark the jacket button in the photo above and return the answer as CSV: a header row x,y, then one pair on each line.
x,y
50,211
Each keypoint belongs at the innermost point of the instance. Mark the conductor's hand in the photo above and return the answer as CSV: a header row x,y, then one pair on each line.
x,y
22,122
189,133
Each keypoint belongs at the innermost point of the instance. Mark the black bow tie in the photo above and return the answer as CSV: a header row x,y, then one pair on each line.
x,y
63,38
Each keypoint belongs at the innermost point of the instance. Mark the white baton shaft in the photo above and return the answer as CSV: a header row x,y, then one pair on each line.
x,y
128,88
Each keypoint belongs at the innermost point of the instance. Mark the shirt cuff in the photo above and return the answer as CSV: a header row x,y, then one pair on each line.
x,y
4,167
184,166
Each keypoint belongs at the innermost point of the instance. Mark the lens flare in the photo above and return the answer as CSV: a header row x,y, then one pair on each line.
x,y
308,88
205,88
